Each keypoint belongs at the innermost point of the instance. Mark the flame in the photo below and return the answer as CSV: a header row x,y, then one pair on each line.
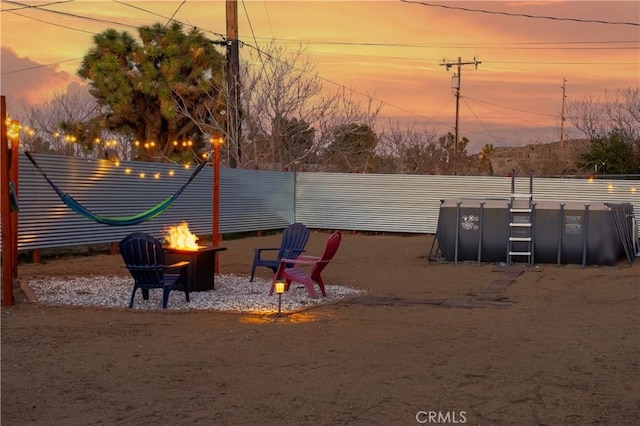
x,y
179,237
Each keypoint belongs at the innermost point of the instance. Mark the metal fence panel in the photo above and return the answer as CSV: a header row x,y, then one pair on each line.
x,y
252,200
248,201
411,203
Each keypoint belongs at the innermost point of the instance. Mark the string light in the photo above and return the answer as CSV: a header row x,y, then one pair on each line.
x,y
13,129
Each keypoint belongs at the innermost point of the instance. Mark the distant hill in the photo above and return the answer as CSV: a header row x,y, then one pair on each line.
x,y
550,159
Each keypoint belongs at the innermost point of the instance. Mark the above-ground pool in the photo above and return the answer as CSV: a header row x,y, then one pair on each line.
x,y
593,233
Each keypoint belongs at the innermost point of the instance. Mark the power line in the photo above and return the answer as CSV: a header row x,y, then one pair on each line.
x,y
29,6
430,119
222,36
72,15
480,121
40,66
512,109
523,15
174,13
52,23
457,80
456,45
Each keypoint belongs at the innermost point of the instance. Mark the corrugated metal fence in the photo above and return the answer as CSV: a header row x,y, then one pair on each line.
x,y
252,200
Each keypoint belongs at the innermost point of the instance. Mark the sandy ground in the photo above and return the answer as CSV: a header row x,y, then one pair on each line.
x,y
429,343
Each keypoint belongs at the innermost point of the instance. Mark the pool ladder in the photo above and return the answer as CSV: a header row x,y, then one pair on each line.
x,y
521,212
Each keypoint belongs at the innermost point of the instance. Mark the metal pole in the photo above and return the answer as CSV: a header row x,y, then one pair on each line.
x,y
480,232
455,256
585,235
279,304
13,177
560,232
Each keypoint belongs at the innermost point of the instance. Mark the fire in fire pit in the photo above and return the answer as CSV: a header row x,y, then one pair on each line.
x,y
180,238
182,245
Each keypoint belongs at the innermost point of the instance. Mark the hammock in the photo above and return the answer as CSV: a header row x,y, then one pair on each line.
x,y
115,221
15,207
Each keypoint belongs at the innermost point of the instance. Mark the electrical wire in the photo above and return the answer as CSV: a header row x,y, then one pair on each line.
x,y
264,66
505,45
39,66
266,12
222,36
522,15
175,12
481,123
513,109
262,53
52,23
29,6
72,15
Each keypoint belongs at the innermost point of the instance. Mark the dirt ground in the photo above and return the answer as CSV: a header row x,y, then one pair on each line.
x,y
429,343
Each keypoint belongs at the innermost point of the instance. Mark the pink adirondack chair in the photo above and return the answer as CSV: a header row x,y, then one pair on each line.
x,y
306,270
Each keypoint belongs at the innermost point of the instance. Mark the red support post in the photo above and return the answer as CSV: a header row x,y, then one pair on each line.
x,y
215,232
8,253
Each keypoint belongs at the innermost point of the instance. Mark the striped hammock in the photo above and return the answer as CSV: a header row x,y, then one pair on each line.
x,y
154,211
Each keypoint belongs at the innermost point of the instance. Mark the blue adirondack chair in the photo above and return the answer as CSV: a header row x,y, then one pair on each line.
x,y
294,239
143,256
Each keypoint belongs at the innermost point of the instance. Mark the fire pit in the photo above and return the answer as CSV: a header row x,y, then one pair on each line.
x,y
182,246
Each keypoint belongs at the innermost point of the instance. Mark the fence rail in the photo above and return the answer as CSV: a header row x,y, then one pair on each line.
x,y
252,200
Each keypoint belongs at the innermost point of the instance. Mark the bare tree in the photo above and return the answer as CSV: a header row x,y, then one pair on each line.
x,y
598,117
50,122
587,115
280,87
623,111
411,150
617,115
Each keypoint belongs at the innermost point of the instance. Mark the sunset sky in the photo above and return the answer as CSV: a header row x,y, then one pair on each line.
x,y
391,50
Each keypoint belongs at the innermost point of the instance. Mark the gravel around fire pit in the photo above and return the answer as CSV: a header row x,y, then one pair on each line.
x,y
232,293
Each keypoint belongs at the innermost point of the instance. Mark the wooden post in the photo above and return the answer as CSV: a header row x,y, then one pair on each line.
x,y
233,85
5,211
215,231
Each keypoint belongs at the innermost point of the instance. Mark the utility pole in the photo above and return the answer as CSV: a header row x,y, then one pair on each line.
x,y
233,84
455,84
564,82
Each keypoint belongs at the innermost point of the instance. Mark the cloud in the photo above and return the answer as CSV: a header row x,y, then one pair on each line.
x,y
26,83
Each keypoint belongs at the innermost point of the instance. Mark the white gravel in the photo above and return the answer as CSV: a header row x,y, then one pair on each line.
x,y
232,293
